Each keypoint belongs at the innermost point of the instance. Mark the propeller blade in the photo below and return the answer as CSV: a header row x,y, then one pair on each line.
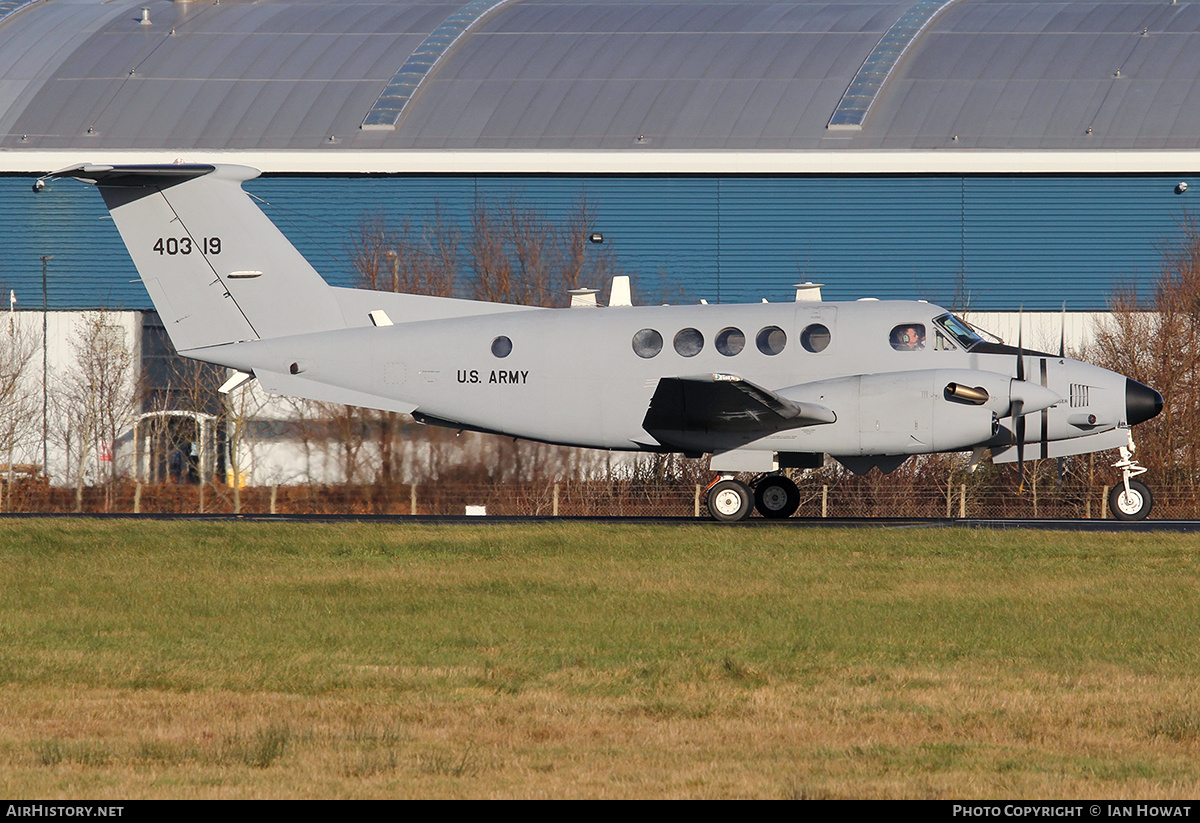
x,y
1018,408
1021,344
1062,332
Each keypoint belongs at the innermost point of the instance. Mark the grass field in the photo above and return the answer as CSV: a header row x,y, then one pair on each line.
x,y
254,660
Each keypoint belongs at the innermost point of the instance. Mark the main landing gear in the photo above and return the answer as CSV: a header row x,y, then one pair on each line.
x,y
730,500
1131,500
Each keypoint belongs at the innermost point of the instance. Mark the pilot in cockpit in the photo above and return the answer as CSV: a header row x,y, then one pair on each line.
x,y
908,337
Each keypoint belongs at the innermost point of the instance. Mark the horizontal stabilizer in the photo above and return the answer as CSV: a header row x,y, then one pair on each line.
x,y
136,176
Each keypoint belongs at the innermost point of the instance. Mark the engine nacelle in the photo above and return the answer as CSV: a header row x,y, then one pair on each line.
x,y
907,412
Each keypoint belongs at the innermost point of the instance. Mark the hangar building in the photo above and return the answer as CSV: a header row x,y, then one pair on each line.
x,y
985,154
1019,152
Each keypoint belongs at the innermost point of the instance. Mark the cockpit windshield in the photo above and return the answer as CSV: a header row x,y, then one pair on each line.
x,y
963,334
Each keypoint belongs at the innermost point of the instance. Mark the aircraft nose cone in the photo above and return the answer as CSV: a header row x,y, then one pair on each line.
x,y
1141,402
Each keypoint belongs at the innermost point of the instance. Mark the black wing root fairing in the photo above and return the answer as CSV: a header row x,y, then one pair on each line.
x,y
718,412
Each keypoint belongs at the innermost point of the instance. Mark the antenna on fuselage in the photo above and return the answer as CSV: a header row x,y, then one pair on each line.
x,y
583,298
808,292
619,294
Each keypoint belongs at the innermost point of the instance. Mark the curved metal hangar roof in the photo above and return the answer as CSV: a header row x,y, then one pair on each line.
x,y
636,79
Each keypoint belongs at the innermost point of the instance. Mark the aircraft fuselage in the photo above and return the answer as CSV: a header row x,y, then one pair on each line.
x,y
586,376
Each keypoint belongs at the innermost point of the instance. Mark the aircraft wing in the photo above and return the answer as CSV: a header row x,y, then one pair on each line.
x,y
717,412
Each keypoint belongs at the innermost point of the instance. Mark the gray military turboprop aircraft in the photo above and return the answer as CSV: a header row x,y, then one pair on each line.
x,y
760,387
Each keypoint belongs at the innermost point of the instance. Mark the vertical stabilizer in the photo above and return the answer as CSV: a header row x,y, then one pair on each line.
x,y
215,266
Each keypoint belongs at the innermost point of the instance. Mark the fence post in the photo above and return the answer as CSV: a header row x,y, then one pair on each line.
x,y
555,510
274,495
824,501
412,499
137,497
962,501
697,500
1104,504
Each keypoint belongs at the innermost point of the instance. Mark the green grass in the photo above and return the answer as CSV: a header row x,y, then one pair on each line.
x,y
470,661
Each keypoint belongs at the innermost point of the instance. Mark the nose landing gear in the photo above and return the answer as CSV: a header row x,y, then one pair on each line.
x,y
1132,499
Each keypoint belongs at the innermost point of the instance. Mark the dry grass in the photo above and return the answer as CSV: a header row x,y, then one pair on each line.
x,y
263,661
916,734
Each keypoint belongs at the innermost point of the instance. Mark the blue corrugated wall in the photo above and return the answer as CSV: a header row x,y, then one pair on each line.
x,y
990,243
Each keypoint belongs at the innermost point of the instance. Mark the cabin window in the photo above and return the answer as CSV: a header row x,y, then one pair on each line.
x,y
502,346
908,337
647,343
730,341
815,338
771,340
941,342
689,342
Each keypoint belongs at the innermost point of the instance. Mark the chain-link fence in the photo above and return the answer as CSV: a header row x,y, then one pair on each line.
x,y
848,497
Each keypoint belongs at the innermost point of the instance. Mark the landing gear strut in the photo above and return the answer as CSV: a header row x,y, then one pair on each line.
x,y
1132,499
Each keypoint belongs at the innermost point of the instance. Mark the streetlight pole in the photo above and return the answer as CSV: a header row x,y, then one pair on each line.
x,y
46,258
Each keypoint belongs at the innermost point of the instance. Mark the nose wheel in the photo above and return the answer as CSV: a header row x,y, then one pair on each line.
x,y
1133,503
1131,500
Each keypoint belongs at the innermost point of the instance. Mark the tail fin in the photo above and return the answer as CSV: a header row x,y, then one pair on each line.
x,y
217,270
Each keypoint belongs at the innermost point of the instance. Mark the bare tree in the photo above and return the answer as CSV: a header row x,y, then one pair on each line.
x,y
98,394
1155,340
18,393
244,406
519,255
405,258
